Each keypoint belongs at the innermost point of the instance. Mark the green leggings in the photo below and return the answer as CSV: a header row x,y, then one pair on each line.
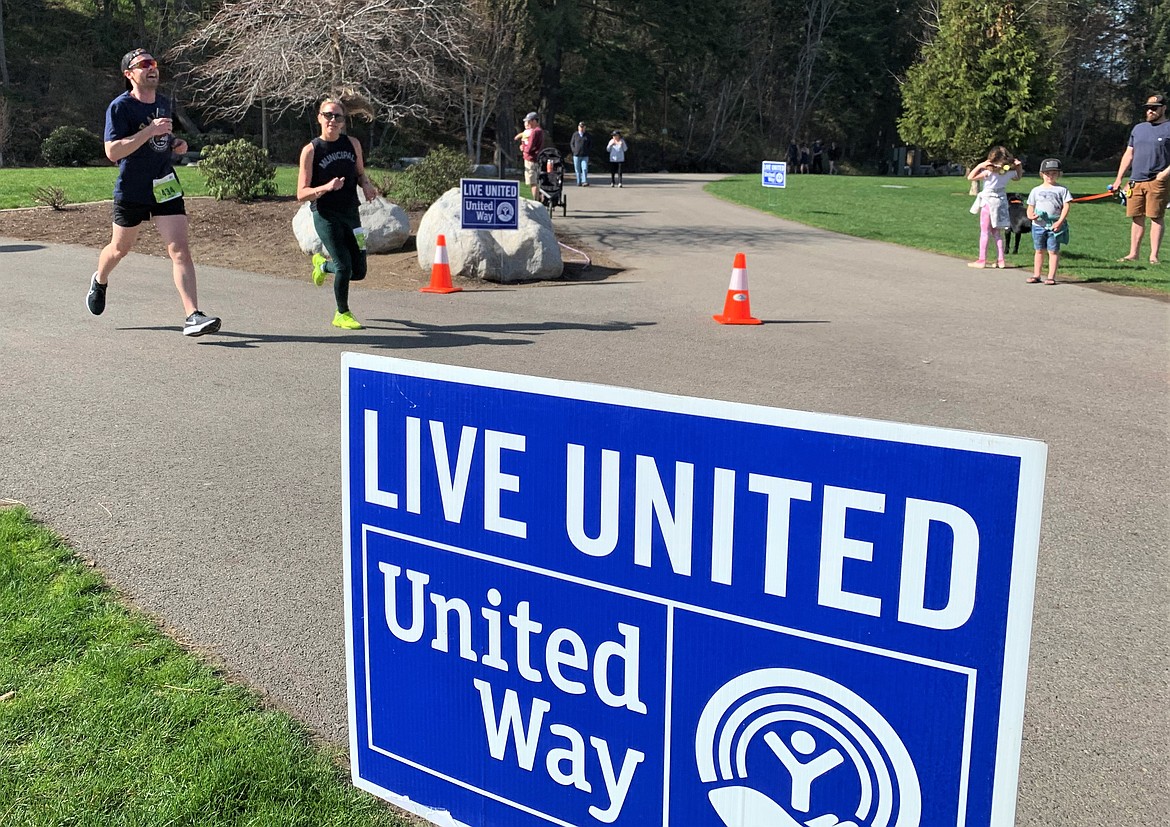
x,y
348,263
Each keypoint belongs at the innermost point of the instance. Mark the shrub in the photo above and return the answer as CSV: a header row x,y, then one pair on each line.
x,y
197,142
421,184
50,196
238,170
386,156
71,146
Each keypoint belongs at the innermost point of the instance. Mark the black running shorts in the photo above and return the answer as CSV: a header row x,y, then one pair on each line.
x,y
131,215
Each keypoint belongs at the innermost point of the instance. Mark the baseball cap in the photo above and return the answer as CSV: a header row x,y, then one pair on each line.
x,y
616,132
1156,100
1050,165
531,116
131,56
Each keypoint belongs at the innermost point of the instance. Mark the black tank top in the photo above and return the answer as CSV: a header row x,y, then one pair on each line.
x,y
335,159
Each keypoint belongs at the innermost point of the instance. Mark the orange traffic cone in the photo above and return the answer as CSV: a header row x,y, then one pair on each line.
x,y
440,270
737,308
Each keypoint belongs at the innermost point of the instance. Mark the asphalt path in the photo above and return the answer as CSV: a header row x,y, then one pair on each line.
x,y
203,476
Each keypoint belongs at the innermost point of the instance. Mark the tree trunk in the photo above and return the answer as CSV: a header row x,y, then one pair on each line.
x,y
3,55
505,129
550,92
140,22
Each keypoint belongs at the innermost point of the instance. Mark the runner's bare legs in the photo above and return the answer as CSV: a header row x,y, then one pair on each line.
x,y
121,243
173,230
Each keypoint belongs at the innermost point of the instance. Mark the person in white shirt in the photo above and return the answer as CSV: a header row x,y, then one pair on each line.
x,y
1048,211
991,205
617,156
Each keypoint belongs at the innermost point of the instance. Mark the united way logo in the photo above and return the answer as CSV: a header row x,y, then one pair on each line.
x,y
789,748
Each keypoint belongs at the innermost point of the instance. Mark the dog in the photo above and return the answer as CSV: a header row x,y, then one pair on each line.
x,y
1020,223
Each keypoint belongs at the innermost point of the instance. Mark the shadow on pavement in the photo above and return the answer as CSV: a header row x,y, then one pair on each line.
x,y
795,321
20,248
701,236
411,335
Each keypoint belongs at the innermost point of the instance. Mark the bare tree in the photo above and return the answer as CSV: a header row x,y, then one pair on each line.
x,y
287,53
807,86
494,57
3,56
6,126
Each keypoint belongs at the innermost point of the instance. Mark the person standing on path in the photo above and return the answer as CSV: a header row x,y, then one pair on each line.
x,y
139,139
331,169
1048,211
1148,153
991,205
617,156
580,145
531,143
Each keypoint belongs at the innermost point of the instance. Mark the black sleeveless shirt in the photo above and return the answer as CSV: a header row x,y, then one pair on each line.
x,y
334,159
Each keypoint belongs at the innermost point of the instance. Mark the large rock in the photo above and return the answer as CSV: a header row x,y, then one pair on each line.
x,y
387,227
530,252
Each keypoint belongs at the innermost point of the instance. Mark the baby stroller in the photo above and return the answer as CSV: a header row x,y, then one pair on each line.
x,y
551,180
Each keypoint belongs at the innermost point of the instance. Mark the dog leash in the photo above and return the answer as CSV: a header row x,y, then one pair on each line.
x,y
1098,197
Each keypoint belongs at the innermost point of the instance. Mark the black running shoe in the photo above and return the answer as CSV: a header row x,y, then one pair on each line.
x,y
197,324
95,300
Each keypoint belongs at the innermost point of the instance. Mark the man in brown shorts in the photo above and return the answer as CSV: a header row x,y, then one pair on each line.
x,y
1149,153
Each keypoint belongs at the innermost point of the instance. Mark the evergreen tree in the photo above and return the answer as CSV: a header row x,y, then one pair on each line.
x,y
981,81
1147,47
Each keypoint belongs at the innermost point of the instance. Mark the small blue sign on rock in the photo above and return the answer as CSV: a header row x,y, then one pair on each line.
x,y
489,204
575,604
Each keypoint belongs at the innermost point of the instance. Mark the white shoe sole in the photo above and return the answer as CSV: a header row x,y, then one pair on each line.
x,y
210,326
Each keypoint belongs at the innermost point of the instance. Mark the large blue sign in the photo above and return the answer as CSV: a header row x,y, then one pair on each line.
x,y
575,604
774,173
490,204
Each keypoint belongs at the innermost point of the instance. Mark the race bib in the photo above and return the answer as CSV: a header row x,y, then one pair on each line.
x,y
167,188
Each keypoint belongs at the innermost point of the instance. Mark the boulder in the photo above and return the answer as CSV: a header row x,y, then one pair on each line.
x,y
387,227
505,256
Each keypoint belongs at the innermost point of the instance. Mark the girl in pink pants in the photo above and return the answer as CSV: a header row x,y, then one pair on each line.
x,y
991,205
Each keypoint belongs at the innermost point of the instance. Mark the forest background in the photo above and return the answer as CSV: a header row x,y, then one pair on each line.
x,y
695,85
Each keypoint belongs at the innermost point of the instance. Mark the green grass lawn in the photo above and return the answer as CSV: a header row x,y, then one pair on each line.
x,y
105,721
82,185
931,214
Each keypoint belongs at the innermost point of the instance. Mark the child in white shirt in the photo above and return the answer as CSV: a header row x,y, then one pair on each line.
x,y
1048,210
991,205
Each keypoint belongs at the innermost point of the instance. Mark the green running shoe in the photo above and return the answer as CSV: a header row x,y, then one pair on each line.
x,y
346,321
318,269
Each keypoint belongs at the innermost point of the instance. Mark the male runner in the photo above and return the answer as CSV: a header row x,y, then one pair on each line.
x,y
138,138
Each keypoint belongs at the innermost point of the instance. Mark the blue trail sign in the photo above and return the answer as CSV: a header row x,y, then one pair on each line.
x,y
774,173
574,604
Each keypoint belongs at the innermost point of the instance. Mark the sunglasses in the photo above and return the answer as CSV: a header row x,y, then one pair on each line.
x,y
149,63
1150,107
332,116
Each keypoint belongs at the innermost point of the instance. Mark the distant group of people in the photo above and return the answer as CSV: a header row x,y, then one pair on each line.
x,y
580,147
1146,157
804,159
